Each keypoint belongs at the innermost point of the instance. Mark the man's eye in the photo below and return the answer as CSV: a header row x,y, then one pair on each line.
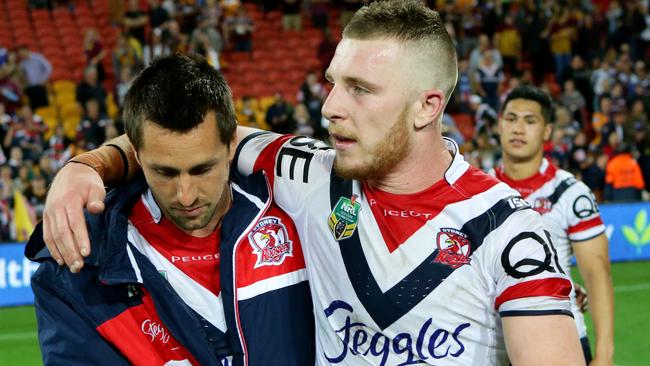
x,y
359,90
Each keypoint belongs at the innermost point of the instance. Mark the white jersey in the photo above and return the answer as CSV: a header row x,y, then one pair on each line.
x,y
569,211
435,299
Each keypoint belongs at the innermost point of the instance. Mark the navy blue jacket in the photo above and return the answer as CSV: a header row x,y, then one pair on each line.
x,y
273,327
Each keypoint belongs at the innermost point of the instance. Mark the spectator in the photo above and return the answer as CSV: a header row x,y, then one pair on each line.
x,y
158,15
581,75
206,50
509,42
488,78
572,99
312,93
602,79
594,174
291,17
46,168
475,57
26,133
5,123
123,85
230,7
619,104
92,127
620,126
248,112
561,32
36,193
601,117
639,78
319,10
127,54
238,30
624,181
464,85
578,153
154,49
91,88
279,115
15,160
304,126
10,93
326,49
58,143
36,70
175,40
485,117
135,21
206,29
638,122
95,53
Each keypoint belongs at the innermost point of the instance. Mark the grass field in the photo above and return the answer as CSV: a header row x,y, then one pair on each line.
x,y
18,345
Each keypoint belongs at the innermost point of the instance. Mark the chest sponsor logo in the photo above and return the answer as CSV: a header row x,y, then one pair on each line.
x,y
270,242
453,248
155,331
414,347
343,218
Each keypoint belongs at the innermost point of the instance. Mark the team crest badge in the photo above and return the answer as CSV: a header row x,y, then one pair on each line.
x,y
270,242
343,218
453,248
542,205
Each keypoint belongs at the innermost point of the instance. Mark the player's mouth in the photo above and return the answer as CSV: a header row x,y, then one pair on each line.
x,y
190,211
517,142
341,142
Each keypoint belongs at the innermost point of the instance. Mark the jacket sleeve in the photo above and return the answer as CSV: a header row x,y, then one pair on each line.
x,y
64,336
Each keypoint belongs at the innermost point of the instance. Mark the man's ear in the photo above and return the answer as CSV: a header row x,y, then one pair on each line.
x,y
135,152
232,148
548,131
429,108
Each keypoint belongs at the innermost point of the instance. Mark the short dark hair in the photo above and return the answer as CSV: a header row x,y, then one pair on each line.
x,y
529,92
176,92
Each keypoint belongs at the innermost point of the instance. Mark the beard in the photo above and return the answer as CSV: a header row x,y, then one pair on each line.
x,y
190,224
383,157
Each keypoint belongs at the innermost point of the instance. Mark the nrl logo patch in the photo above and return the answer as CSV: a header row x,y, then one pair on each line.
x,y
343,219
270,242
453,248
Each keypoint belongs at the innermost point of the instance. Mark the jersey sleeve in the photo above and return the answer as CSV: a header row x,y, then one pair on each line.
x,y
528,277
296,166
583,217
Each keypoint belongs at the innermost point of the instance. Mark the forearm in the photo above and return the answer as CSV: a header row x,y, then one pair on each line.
x,y
115,161
601,305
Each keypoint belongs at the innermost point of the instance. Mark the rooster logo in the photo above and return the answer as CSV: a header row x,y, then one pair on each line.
x,y
270,242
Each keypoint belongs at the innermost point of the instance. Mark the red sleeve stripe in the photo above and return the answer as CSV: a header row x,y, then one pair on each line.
x,y
585,225
266,159
553,287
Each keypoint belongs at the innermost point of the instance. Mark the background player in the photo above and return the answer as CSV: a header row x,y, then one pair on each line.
x,y
567,206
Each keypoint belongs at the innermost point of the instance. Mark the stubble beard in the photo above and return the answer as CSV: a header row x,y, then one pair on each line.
x,y
384,156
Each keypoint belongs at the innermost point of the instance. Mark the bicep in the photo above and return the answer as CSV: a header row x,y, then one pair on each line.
x,y
592,254
542,340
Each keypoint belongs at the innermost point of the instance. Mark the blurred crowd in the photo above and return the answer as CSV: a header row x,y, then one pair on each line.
x,y
589,55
